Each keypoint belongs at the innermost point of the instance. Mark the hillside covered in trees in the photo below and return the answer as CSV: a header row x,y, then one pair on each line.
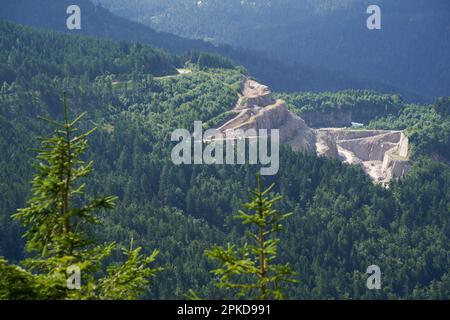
x,y
100,22
341,221
409,53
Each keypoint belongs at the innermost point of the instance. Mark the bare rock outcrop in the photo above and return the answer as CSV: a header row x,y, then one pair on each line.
x,y
258,110
254,94
372,147
325,145
394,166
382,154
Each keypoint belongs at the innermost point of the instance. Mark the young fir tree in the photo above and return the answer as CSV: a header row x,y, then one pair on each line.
x,y
57,216
251,269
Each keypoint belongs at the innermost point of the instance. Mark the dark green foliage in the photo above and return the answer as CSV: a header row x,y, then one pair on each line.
x,y
353,100
251,269
18,284
339,109
24,54
410,52
341,222
442,106
54,224
98,21
208,60
56,218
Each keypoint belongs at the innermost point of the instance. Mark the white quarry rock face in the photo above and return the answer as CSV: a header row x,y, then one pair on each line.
x,y
325,145
254,95
382,154
404,146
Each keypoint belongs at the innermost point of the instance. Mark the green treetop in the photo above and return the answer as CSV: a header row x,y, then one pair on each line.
x,y
251,270
56,218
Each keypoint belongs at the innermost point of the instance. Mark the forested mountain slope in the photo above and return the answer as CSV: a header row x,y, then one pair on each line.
x,y
97,21
409,52
341,223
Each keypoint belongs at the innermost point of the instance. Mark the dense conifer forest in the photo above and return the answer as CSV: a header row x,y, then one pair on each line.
x,y
173,221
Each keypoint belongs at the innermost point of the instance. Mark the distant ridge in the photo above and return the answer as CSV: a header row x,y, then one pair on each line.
x,y
98,21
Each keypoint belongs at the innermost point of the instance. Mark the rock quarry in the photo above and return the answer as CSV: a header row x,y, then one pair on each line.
x,y
383,154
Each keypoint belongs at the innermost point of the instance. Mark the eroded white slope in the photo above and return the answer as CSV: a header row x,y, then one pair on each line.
x,y
382,154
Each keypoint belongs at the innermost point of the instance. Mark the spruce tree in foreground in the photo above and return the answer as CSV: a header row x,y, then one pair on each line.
x,y
251,270
56,219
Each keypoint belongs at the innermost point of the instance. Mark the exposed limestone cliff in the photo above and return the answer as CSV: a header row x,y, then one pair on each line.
x,y
382,154
254,94
325,145
256,109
